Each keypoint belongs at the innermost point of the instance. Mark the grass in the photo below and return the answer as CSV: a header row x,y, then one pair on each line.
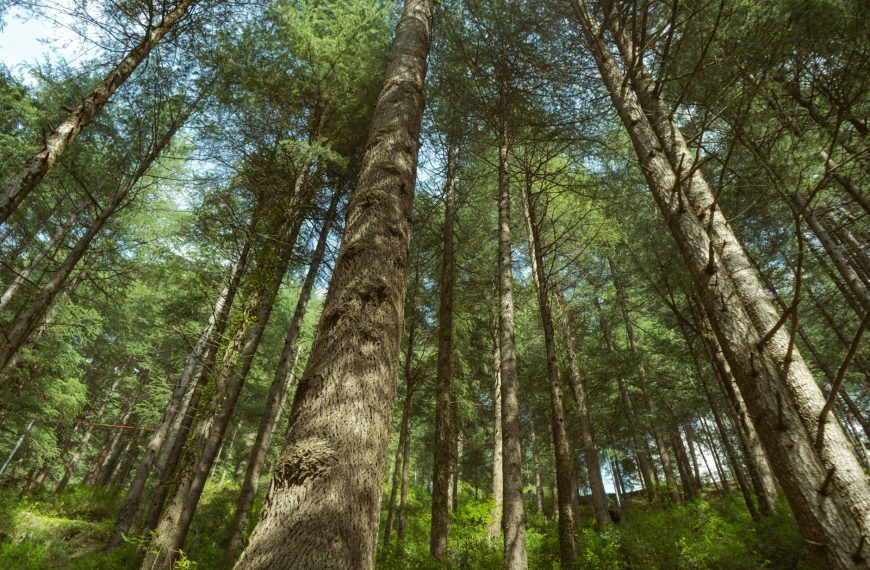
x,y
714,533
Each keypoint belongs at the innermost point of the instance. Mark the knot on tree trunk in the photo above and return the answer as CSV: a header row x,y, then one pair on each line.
x,y
305,460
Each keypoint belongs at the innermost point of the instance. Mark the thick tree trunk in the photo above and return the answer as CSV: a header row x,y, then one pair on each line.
x,y
162,437
269,417
824,484
341,415
60,139
441,466
564,455
513,515
29,316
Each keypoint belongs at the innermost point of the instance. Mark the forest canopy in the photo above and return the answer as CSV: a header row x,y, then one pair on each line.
x,y
358,284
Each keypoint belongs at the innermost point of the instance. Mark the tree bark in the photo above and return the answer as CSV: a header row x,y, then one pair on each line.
x,y
495,513
342,411
269,417
781,394
62,137
564,455
513,515
441,466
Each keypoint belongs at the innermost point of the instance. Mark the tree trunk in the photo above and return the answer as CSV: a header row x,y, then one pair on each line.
x,y
587,430
664,454
690,443
269,417
47,250
200,454
513,516
29,315
72,462
341,415
494,528
163,438
811,458
60,139
564,455
441,466
690,488
638,439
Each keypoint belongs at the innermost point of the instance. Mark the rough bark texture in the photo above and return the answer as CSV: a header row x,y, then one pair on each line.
x,y
564,455
39,164
340,420
269,417
513,515
441,467
823,482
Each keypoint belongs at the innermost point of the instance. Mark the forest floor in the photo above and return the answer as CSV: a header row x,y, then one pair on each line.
x,y
713,533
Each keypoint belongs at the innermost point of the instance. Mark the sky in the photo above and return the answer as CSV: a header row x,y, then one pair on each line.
x,y
25,41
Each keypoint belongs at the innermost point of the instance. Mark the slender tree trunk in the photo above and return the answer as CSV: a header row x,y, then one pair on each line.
x,y
398,465
401,515
72,462
17,445
664,454
162,437
340,420
200,454
131,452
29,316
269,418
114,436
587,430
457,470
638,439
443,392
62,137
564,455
494,528
811,456
513,516
686,475
690,443
47,250
711,444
